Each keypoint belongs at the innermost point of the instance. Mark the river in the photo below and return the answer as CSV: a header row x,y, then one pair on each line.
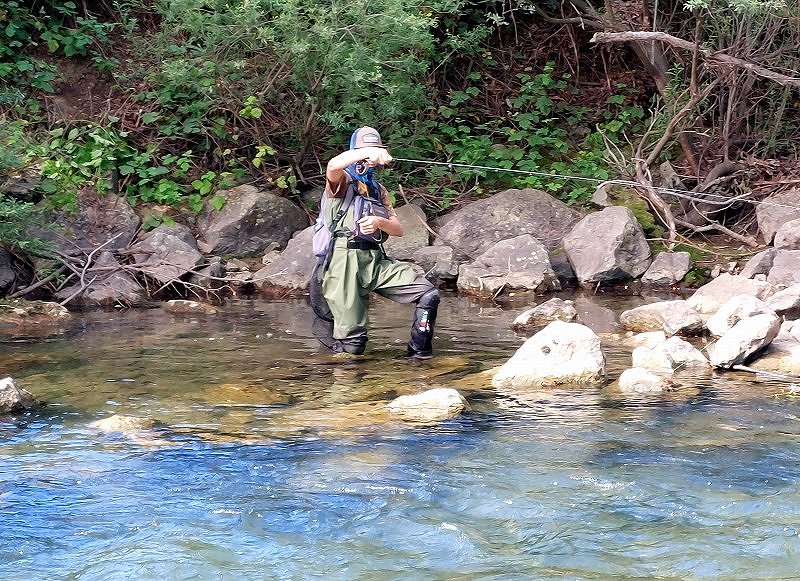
x,y
267,459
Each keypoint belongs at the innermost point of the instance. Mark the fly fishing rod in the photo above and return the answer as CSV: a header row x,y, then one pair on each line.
x,y
705,197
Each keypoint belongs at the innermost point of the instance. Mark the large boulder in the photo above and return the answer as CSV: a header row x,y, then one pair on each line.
x,y
787,237
515,263
607,246
105,220
775,211
787,301
106,284
250,223
712,295
561,353
291,270
166,253
416,234
474,228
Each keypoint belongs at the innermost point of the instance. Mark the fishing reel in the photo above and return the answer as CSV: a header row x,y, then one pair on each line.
x,y
361,167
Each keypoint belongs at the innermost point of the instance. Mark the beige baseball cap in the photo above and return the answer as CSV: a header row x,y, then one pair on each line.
x,y
365,137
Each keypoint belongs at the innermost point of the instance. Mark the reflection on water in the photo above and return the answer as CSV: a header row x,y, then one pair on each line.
x,y
270,460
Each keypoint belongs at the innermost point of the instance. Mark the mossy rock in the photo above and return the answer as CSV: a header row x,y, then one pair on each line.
x,y
622,196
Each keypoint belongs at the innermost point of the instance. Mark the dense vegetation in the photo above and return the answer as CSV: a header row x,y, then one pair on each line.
x,y
165,101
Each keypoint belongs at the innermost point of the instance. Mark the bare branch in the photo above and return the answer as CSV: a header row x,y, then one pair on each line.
x,y
717,58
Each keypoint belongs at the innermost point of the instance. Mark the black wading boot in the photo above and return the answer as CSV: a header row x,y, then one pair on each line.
x,y
420,346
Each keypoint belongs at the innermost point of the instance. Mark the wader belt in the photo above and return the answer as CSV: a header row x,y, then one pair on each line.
x,y
358,244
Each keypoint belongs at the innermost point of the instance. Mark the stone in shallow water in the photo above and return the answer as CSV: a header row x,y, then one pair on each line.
x,y
432,405
13,398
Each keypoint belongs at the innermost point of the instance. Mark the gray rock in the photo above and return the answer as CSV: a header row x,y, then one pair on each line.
x,y
745,339
516,263
476,227
712,295
786,301
785,269
292,269
674,354
760,263
416,234
250,222
775,211
439,262
432,405
738,308
555,309
561,353
783,354
671,317
166,253
209,277
13,398
667,268
108,285
787,236
106,220
607,246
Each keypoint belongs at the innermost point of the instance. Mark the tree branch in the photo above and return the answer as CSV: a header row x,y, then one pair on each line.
x,y
717,58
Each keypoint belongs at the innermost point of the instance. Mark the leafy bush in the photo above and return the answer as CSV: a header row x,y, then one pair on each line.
x,y
57,26
542,141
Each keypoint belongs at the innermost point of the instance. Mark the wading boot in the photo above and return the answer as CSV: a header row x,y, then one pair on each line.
x,y
420,346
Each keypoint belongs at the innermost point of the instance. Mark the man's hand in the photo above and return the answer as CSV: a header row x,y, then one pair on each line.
x,y
370,224
376,156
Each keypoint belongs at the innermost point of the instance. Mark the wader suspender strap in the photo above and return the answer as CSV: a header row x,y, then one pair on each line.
x,y
348,199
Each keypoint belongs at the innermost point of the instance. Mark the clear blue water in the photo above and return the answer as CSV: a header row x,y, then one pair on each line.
x,y
264,472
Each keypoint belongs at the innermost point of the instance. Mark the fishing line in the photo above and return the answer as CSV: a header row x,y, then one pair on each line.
x,y
707,198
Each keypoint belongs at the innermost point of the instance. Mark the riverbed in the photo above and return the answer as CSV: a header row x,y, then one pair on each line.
x,y
259,456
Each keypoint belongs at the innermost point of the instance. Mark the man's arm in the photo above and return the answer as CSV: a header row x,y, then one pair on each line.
x,y
391,225
372,155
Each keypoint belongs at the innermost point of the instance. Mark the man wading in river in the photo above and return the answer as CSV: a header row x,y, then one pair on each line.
x,y
356,217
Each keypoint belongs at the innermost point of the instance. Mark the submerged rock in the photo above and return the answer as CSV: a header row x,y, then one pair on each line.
x,y
638,380
184,307
38,318
141,431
